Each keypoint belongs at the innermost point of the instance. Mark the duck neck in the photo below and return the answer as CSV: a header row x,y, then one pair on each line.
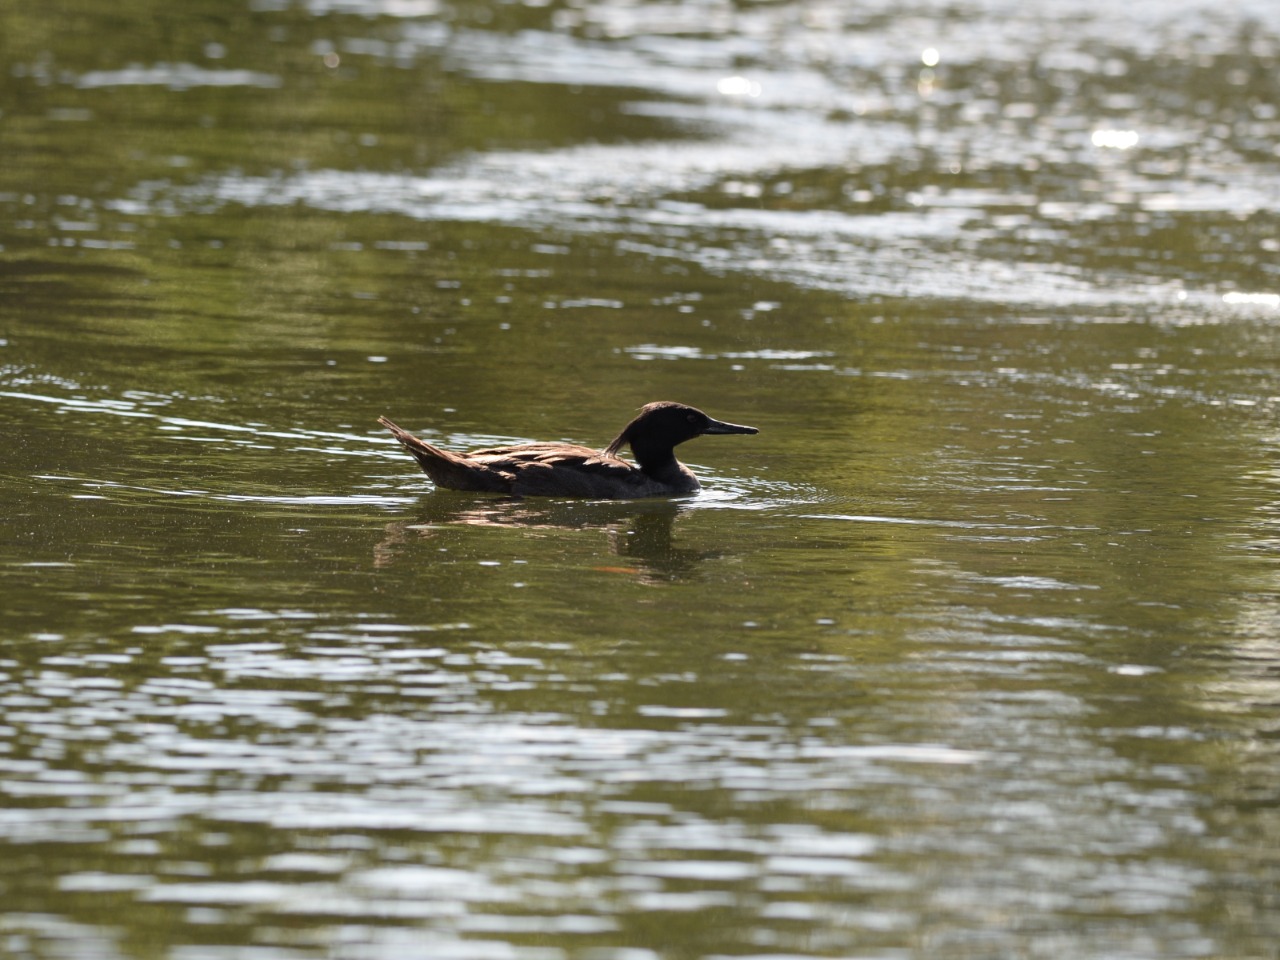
x,y
658,460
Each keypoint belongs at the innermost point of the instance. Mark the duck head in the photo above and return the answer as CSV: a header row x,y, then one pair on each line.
x,y
660,427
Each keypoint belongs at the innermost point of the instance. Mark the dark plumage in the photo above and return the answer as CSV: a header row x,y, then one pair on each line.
x,y
569,470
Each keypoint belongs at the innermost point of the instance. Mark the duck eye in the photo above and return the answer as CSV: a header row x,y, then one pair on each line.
x,y
691,418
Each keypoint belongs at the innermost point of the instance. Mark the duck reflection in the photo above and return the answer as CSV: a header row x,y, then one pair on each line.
x,y
639,534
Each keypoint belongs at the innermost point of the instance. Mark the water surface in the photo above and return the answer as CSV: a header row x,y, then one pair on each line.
x,y
970,653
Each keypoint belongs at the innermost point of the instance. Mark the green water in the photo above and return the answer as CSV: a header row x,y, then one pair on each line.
x,y
970,653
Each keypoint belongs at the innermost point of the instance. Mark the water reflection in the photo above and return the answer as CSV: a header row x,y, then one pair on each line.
x,y
433,797
983,628
850,108
641,532
177,76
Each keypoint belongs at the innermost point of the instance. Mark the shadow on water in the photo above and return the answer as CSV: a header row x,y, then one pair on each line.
x,y
641,534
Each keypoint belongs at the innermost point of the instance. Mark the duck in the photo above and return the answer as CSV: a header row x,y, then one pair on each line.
x,y
560,469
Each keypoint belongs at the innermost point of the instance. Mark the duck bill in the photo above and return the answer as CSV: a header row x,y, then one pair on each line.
x,y
719,426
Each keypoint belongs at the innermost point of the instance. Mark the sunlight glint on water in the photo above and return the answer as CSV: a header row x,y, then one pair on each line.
x,y
969,653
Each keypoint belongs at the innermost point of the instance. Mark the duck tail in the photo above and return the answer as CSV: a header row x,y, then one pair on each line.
x,y
445,468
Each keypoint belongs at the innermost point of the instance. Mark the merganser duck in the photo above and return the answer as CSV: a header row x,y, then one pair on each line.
x,y
569,470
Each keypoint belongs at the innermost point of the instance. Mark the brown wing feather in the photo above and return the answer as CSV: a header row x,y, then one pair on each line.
x,y
558,456
558,470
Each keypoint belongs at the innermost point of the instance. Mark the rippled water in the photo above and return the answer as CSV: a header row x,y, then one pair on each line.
x,y
970,653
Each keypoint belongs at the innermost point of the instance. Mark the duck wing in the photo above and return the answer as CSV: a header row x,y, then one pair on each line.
x,y
570,453
562,470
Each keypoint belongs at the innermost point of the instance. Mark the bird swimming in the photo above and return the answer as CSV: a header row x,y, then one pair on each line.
x,y
570,470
